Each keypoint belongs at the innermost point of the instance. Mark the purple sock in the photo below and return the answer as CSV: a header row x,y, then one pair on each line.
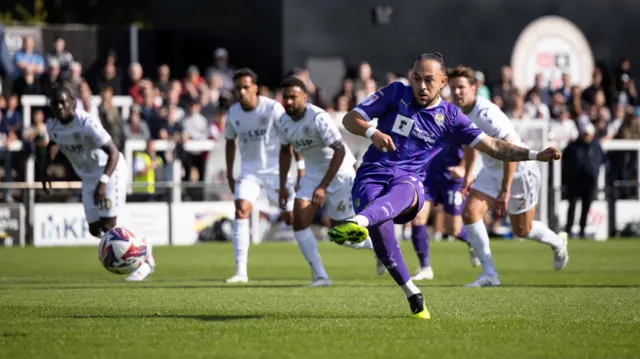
x,y
386,246
389,206
420,241
462,236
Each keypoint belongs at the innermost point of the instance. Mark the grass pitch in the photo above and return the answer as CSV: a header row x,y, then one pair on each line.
x,y
60,303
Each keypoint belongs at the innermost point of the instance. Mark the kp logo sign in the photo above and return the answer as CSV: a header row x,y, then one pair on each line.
x,y
61,227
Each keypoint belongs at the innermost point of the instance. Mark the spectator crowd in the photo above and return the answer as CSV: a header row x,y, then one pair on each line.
x,y
192,106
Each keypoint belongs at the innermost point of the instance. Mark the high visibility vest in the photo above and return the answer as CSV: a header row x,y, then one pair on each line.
x,y
149,178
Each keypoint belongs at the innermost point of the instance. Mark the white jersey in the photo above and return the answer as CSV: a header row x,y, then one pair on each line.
x,y
312,137
258,140
81,141
490,119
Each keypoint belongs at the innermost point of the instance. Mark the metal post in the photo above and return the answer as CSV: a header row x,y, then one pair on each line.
x,y
133,43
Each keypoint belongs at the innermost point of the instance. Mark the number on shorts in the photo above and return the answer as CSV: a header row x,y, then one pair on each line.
x,y
340,207
455,198
105,205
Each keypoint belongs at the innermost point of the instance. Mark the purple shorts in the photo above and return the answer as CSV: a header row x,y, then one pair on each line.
x,y
372,182
446,192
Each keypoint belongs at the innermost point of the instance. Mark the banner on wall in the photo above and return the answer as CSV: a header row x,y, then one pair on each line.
x,y
551,46
12,224
188,219
65,224
627,211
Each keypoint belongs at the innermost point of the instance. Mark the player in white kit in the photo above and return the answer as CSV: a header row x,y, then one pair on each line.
x,y
97,161
251,126
508,187
329,172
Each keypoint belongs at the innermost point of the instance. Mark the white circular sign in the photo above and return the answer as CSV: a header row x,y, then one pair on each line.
x,y
552,46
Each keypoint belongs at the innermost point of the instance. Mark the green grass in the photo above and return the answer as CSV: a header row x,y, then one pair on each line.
x,y
59,303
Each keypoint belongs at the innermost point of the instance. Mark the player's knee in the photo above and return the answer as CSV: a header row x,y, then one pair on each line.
x,y
300,223
468,216
521,229
243,209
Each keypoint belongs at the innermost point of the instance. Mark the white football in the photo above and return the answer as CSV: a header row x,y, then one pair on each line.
x,y
121,252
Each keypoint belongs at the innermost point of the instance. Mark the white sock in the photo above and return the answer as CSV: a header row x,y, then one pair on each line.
x,y
479,241
366,244
362,221
309,248
540,232
437,236
410,289
265,226
149,259
241,244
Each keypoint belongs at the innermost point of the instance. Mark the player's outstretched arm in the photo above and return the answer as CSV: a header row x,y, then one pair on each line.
x,y
505,151
355,123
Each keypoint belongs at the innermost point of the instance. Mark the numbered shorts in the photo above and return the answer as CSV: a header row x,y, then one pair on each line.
x,y
250,187
116,194
337,205
447,193
525,188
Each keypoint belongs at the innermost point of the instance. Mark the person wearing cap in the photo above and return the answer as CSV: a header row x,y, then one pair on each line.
x,y
483,90
221,67
581,162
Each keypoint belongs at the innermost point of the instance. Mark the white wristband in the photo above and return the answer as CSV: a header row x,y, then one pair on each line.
x,y
300,164
533,155
370,131
104,179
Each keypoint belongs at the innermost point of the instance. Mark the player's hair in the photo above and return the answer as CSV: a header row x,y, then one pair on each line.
x,y
293,81
59,89
436,56
463,71
244,72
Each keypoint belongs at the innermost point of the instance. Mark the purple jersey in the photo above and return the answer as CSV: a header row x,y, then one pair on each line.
x,y
418,133
449,156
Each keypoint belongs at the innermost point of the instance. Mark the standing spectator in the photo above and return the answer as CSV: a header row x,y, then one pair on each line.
x,y
622,73
75,79
588,95
163,83
86,100
347,91
564,130
27,60
558,104
216,91
60,54
517,109
207,108
6,68
221,67
365,73
535,109
134,128
196,128
38,137
313,92
110,117
624,164
504,87
581,162
146,164
53,78
110,79
483,90
135,86
171,128
149,113
370,87
544,92
7,136
13,117
193,77
565,88
174,100
628,94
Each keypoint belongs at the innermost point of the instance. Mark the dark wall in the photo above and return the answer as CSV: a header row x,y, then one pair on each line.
x,y
188,31
476,33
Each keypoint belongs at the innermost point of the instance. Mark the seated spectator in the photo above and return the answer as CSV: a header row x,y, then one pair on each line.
x,y
543,90
341,108
348,92
76,80
370,87
26,59
110,117
564,130
135,128
517,112
52,78
148,168
312,90
196,128
207,108
174,100
110,79
588,95
171,129
535,109
365,73
499,101
390,77
62,56
558,104
85,101
38,138
13,120
135,88
565,88
193,77
7,136
163,83
483,90
27,85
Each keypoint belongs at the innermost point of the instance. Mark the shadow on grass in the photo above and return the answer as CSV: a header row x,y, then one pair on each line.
x,y
206,318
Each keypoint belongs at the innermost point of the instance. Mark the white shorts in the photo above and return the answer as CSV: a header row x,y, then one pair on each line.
x,y
116,194
337,204
525,188
250,188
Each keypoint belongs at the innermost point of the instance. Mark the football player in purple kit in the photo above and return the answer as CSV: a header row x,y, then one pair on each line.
x,y
443,185
414,123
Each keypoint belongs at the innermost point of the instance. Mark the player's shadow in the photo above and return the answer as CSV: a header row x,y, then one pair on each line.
x,y
206,318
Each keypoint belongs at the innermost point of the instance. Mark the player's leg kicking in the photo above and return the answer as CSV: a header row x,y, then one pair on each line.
x,y
248,189
521,208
